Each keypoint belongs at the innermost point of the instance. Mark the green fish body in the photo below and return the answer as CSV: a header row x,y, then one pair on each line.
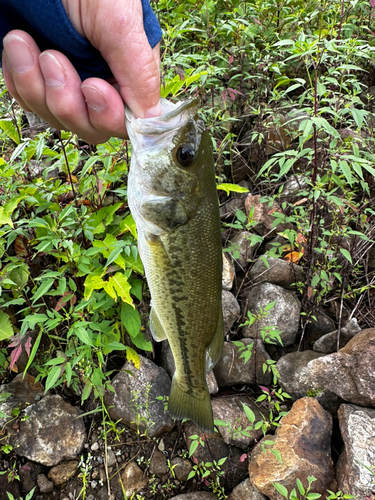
x,y
172,196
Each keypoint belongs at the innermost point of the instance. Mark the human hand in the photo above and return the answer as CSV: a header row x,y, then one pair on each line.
x,y
48,84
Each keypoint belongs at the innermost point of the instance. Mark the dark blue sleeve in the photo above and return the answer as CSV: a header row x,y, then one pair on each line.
x,y
47,22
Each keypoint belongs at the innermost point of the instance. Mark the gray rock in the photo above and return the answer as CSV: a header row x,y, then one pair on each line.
x,y
45,486
131,392
231,310
216,448
357,427
111,458
52,432
292,186
61,473
272,247
133,479
328,343
158,463
296,380
279,272
349,373
230,411
242,250
181,468
319,327
197,495
303,441
229,273
246,491
284,316
23,391
167,362
231,369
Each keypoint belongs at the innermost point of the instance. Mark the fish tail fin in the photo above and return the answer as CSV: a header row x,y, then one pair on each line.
x,y
196,407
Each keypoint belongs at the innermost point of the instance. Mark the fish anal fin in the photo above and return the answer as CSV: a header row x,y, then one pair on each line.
x,y
156,328
215,349
195,406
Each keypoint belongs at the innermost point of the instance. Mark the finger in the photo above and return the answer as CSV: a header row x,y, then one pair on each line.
x,y
105,107
116,29
64,97
9,83
21,55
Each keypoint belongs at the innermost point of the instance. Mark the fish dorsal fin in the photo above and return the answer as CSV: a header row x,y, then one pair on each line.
x,y
215,349
157,330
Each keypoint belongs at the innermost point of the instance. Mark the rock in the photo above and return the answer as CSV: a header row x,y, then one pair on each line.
x,y
52,432
296,380
215,443
45,486
357,427
22,391
131,391
272,247
95,446
27,477
231,368
279,272
111,458
262,214
61,473
292,186
241,249
323,324
231,310
229,273
133,479
197,495
349,373
284,316
328,343
304,443
167,362
158,463
230,411
246,491
182,468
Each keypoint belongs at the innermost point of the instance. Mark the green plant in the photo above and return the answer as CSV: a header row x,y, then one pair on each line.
x,y
27,497
142,410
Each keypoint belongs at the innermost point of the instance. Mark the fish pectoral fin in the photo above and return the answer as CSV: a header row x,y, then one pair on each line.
x,y
215,349
194,405
157,330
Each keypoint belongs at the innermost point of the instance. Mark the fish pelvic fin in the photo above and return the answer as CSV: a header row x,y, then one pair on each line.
x,y
195,406
157,330
215,349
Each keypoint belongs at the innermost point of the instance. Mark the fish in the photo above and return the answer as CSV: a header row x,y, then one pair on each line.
x,y
173,199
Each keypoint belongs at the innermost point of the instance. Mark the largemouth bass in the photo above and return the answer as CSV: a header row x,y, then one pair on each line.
x,y
173,199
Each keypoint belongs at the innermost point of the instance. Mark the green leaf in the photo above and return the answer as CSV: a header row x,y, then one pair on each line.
x,y
122,287
7,126
52,378
346,254
84,335
300,487
234,188
277,455
87,166
345,169
128,224
86,391
5,218
249,413
141,343
43,289
313,496
130,319
33,352
6,329
281,489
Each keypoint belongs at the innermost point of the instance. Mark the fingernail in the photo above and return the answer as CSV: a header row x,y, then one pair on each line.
x,y
153,112
94,99
19,53
53,73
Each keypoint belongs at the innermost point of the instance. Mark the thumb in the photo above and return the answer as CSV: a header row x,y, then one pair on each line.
x,y
115,28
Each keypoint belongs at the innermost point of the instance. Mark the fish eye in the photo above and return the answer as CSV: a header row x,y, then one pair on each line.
x,y
185,156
